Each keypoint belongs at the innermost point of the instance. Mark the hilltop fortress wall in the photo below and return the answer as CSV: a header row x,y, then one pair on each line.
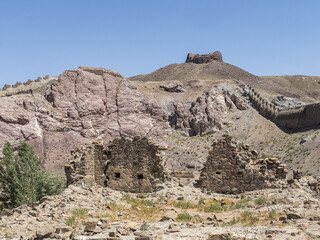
x,y
292,118
39,86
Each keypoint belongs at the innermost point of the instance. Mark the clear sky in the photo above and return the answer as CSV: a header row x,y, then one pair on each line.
x,y
270,37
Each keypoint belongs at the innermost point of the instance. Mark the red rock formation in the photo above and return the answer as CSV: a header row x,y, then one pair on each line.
x,y
80,106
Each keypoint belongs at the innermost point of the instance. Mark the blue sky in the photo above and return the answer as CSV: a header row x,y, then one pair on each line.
x,y
270,37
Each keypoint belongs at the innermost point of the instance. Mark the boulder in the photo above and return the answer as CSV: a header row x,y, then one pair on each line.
x,y
172,87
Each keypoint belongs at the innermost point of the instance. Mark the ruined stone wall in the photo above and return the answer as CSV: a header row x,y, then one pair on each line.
x,y
87,166
233,168
36,86
134,166
292,118
204,58
127,165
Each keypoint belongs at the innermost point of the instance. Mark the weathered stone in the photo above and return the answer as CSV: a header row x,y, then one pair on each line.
x,y
173,228
172,87
232,168
65,232
127,165
220,236
292,215
91,225
204,58
207,114
45,232
6,212
6,86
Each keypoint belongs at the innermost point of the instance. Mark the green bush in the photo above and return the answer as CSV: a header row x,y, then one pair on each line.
x,y
248,218
184,204
272,214
21,179
260,201
214,207
183,217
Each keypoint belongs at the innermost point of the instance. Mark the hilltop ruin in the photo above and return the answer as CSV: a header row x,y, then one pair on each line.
x,y
204,58
126,165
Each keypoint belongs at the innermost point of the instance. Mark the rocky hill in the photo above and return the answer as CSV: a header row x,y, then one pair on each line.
x,y
174,105
190,134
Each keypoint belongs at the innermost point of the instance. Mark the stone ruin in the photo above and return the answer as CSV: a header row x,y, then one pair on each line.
x,y
126,165
232,168
39,85
204,58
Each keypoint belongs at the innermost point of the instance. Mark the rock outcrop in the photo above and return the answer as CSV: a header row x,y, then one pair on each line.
x,y
172,87
232,167
82,105
207,114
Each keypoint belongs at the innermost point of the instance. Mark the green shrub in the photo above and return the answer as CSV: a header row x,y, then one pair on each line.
x,y
183,217
214,207
260,201
184,204
248,218
71,221
201,201
241,203
272,214
21,179
135,202
80,213
232,222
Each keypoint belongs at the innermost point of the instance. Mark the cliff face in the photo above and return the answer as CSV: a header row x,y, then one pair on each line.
x,y
82,105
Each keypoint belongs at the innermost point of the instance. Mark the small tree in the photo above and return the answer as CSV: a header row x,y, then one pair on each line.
x,y
21,179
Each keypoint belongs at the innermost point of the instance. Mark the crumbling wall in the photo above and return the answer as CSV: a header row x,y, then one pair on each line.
x,y
37,86
232,167
204,58
87,166
297,118
126,165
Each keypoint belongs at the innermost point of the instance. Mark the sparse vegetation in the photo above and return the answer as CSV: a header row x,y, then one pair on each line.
x,y
201,201
241,204
71,221
183,217
184,204
272,214
232,222
260,201
248,218
80,213
77,214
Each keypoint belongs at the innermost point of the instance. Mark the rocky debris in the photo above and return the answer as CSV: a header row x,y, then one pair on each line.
x,y
172,87
283,102
102,213
232,167
292,215
82,105
220,236
207,114
135,165
204,58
